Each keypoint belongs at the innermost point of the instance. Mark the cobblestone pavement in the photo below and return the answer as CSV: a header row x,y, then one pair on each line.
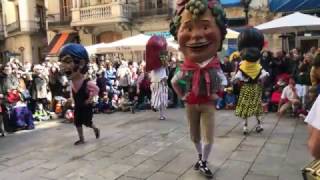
x,y
139,146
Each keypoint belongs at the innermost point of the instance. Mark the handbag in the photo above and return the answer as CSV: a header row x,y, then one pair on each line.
x,y
312,171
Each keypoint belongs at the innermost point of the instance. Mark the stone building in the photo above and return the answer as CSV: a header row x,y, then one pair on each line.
x,y
23,30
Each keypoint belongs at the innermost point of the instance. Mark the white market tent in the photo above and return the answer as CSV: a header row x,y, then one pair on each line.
x,y
295,22
134,43
138,43
93,48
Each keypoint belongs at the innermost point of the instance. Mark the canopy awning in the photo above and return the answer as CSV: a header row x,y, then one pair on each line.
x,y
295,22
293,5
59,40
230,3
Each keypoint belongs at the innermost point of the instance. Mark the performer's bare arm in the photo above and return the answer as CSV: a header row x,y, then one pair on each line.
x,y
176,86
314,142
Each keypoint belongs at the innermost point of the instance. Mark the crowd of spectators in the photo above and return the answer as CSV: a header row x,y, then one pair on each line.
x,y
39,92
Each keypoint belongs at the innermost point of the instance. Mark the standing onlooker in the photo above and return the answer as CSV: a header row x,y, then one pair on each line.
x,y
111,73
172,70
227,66
124,76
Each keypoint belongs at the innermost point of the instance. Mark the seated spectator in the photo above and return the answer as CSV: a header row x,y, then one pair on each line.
x,y
266,98
220,102
230,99
314,129
289,98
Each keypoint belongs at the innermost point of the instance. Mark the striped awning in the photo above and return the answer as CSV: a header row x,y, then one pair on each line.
x,y
59,40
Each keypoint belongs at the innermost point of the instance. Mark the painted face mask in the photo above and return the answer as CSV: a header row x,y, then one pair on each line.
x,y
74,58
200,27
156,53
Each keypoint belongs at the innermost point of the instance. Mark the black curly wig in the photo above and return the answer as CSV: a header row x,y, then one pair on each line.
x,y
250,44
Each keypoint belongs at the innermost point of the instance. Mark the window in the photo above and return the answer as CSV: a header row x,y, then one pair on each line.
x,y
159,4
66,10
153,4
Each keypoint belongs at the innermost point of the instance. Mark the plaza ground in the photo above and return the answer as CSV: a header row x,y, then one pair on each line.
x,y
139,146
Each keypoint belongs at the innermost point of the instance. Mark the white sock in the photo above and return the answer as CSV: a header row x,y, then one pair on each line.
x,y
206,152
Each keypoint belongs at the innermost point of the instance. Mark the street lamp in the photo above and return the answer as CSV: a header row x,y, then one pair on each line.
x,y
246,4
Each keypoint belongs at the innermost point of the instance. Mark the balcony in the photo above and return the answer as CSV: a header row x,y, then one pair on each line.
x,y
13,27
101,14
167,11
24,27
59,23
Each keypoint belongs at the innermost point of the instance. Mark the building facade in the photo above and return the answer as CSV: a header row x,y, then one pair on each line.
x,y
96,21
24,30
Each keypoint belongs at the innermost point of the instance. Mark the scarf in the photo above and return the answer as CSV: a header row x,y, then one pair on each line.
x,y
252,69
197,71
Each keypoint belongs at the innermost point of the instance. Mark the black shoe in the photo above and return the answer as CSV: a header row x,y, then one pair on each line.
x,y
79,142
197,165
97,133
205,170
259,128
154,109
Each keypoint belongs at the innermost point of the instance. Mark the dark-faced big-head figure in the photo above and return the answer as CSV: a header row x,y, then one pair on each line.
x,y
74,60
156,53
199,26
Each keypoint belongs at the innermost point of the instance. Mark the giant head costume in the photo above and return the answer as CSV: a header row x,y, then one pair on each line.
x,y
250,44
199,26
74,59
156,53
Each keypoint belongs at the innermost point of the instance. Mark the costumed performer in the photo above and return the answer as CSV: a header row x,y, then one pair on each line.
x,y
74,63
156,60
250,74
200,28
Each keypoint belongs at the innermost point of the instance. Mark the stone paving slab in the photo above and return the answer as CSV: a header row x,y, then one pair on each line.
x,y
139,147
232,170
146,169
163,176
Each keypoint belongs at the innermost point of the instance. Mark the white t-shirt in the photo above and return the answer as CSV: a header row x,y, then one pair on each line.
x,y
157,75
313,118
287,93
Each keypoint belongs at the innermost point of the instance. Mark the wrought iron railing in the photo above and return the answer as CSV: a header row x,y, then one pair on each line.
x,y
105,11
13,27
154,12
25,26
60,23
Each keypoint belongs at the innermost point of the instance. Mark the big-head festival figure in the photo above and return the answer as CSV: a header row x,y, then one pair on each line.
x,y
199,26
156,62
74,63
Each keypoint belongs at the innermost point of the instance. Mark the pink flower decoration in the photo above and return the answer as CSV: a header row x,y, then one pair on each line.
x,y
92,89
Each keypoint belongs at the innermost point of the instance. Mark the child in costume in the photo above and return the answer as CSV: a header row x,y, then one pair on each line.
x,y
156,60
74,63
200,28
250,73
